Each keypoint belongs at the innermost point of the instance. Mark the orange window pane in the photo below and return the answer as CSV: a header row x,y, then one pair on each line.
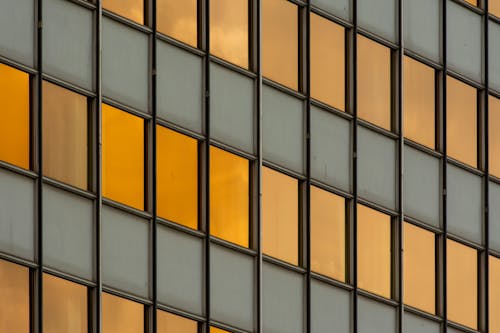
x,y
419,102
170,323
327,62
280,221
374,82
374,251
15,115
14,298
280,40
462,284
229,197
64,306
120,315
177,178
494,135
65,135
123,157
131,9
472,2
217,330
419,268
494,294
229,30
328,234
494,7
461,121
178,19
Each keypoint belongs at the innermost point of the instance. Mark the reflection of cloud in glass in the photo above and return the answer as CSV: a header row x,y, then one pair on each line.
x,y
131,9
14,298
178,19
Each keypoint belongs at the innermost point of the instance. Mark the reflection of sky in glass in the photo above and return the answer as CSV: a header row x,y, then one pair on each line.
x,y
14,298
178,19
131,9
170,323
120,315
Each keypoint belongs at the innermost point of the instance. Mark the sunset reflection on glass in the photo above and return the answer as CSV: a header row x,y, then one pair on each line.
x,y
14,298
170,323
120,315
494,135
178,19
131,9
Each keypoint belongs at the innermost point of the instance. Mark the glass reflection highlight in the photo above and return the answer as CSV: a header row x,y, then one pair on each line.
x,y
14,298
178,19
170,323
120,315
131,9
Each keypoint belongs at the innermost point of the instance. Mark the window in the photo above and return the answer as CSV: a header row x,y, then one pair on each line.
x,y
64,306
328,255
65,135
419,102
462,284
494,7
121,315
178,19
327,62
494,294
177,180
374,251
229,197
419,268
170,323
15,113
280,210
131,9
123,157
461,121
217,330
472,2
14,298
374,82
494,136
229,30
280,55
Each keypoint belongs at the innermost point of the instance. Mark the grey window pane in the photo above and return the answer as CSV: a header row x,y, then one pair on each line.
x,y
340,8
415,324
17,30
179,86
494,56
494,190
375,317
68,232
330,308
68,41
422,27
379,17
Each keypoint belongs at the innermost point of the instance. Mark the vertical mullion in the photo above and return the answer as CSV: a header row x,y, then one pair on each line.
x,y
307,215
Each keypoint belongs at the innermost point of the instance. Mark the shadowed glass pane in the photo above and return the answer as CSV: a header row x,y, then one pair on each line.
x,y
131,9
494,135
178,19
120,315
14,298
170,323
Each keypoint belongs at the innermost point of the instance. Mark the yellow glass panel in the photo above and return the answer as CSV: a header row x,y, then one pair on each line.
x,y
419,268
177,178
327,62
170,323
217,330
280,40
229,30
131,9
14,298
494,136
327,234
65,135
120,315
123,157
280,221
462,284
15,115
374,251
472,2
461,121
419,102
178,19
374,82
229,197
64,306
494,7
494,295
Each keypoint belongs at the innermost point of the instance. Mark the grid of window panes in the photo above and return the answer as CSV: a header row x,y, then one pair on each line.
x,y
235,166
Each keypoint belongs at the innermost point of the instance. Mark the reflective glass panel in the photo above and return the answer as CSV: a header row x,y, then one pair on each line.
x,y
65,135
131,9
120,315
419,102
14,298
328,253
229,196
64,306
494,7
217,330
374,82
15,117
170,323
178,19
494,294
229,30
177,177
494,135
462,285
327,62
374,251
123,157
461,121
472,2
280,221
419,268
280,53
